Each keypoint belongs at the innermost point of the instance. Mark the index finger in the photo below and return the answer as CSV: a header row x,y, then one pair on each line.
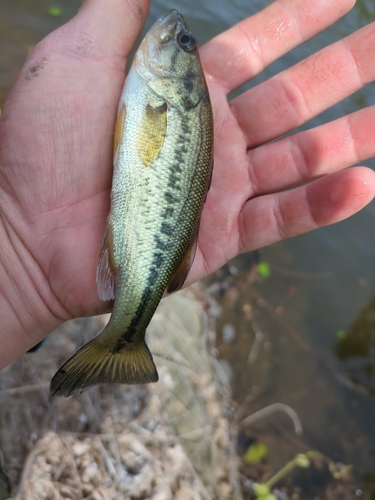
x,y
240,53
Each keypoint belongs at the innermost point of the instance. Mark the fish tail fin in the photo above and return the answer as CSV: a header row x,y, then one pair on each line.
x,y
97,363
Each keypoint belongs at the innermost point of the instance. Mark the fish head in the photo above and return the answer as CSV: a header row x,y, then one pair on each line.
x,y
168,62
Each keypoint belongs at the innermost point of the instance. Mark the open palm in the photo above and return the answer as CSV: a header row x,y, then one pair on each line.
x,y
56,137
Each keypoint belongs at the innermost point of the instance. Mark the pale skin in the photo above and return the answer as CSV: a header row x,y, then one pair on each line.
x,y
56,136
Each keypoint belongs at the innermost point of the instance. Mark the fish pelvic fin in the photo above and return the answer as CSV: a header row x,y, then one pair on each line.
x,y
106,271
97,363
37,346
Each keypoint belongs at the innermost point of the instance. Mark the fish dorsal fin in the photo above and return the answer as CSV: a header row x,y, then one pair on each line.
x,y
179,276
152,133
106,270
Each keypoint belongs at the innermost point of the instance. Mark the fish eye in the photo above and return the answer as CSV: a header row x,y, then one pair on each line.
x,y
187,42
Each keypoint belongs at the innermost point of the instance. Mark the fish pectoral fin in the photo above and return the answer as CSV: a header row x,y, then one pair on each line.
x,y
96,363
106,270
209,179
179,276
152,133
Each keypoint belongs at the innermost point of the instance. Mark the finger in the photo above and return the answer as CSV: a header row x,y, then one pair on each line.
x,y
103,29
271,218
305,90
304,156
237,55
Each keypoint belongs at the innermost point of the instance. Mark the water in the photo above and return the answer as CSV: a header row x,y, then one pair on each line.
x,y
320,283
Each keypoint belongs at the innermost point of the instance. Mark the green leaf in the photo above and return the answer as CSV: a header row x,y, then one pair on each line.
x,y
255,453
54,11
261,490
341,334
264,269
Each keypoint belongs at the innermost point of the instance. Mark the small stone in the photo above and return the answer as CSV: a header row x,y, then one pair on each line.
x,y
229,333
87,488
80,448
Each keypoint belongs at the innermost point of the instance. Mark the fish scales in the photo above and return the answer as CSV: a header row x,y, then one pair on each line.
x,y
151,244
162,167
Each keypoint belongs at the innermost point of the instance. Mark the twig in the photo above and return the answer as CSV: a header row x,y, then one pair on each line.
x,y
25,473
108,462
300,460
25,388
288,329
269,410
255,348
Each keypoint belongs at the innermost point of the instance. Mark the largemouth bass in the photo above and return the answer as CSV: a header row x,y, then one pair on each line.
x,y
162,168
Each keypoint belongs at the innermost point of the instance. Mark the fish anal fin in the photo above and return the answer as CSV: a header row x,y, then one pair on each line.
x,y
179,276
106,270
37,346
95,363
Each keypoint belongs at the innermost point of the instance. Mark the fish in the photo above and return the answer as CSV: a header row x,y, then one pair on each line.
x,y
163,149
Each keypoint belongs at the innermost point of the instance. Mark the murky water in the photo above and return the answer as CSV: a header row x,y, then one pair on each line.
x,y
314,313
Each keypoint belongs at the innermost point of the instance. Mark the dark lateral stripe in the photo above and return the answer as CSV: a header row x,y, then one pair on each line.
x,y
132,330
178,215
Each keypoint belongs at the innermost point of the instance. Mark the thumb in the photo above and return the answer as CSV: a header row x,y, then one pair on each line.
x,y
114,25
102,29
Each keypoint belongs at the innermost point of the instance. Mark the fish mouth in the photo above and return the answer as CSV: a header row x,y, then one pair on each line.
x,y
166,30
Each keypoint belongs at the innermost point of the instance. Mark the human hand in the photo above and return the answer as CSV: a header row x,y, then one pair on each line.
x,y
264,192
56,152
